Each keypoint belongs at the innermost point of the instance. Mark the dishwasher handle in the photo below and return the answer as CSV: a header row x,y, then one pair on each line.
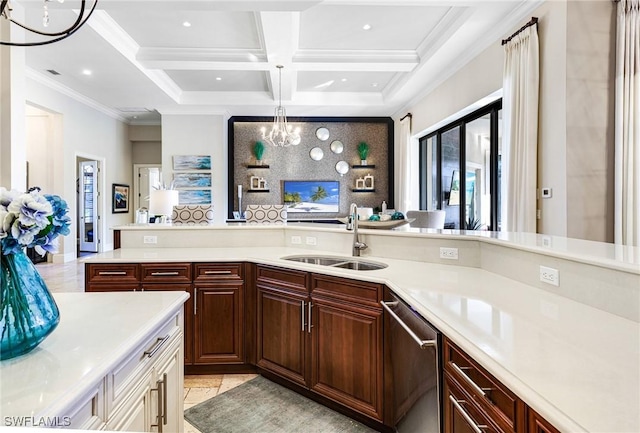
x,y
422,343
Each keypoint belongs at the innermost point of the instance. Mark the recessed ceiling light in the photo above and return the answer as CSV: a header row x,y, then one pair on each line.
x,y
343,80
86,72
374,84
218,78
366,27
186,24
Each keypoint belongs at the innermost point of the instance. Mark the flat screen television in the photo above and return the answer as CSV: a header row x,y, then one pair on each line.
x,y
311,196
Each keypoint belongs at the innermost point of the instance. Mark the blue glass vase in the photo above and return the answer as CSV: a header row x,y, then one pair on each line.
x,y
28,312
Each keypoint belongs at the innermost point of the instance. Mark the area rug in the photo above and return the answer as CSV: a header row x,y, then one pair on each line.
x,y
266,407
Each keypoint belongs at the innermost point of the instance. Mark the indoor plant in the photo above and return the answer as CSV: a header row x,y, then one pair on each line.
x,y
363,151
258,152
28,313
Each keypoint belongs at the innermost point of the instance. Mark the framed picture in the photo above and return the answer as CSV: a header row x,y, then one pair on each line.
x,y
192,162
195,196
120,198
191,180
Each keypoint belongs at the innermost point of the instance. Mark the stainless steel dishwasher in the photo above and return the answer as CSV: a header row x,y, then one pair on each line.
x,y
414,352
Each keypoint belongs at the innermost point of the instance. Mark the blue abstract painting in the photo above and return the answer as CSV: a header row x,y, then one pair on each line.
x,y
194,196
192,162
191,180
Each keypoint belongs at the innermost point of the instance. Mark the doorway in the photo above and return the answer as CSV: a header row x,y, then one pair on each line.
x,y
88,216
146,177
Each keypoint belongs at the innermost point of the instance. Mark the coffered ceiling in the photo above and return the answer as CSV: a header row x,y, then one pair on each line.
x,y
144,59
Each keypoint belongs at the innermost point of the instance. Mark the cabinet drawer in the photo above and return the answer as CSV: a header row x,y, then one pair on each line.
x,y
504,406
360,292
88,413
112,273
461,414
127,287
282,278
128,373
166,272
209,272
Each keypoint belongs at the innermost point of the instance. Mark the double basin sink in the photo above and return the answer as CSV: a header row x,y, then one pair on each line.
x,y
338,262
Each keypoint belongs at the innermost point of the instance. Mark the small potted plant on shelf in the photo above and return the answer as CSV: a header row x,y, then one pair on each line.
x,y
363,151
258,152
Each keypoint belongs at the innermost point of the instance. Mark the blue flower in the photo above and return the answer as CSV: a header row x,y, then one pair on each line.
x,y
32,220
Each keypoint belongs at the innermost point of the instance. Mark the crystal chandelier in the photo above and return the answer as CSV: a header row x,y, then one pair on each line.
x,y
5,12
281,134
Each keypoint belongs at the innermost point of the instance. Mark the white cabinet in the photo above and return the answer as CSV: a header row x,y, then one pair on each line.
x,y
146,390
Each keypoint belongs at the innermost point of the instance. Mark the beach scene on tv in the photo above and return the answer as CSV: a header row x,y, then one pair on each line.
x,y
312,196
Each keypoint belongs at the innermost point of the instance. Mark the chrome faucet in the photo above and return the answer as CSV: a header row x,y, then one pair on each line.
x,y
352,224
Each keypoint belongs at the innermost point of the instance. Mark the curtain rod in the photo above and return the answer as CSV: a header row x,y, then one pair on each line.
x,y
533,21
405,116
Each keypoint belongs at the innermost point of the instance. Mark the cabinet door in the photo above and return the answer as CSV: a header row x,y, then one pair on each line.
x,y
169,376
134,415
537,424
346,355
282,333
188,314
462,416
219,330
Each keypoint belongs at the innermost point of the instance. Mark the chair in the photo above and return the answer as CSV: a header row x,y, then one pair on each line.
x,y
192,214
266,214
427,219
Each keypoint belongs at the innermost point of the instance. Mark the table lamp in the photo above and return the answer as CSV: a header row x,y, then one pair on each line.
x,y
161,203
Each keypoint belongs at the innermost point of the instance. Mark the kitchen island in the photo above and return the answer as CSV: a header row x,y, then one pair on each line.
x,y
96,362
571,352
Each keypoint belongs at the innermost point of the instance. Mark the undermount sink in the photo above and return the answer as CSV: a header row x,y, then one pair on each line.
x,y
338,262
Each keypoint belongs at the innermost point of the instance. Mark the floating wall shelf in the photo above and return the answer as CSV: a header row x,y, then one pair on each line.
x,y
258,166
258,190
364,166
363,190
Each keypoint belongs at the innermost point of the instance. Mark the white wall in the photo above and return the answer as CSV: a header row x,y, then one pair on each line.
x,y
203,134
574,149
91,134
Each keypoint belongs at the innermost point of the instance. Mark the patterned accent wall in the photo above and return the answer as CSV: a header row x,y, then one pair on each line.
x,y
295,162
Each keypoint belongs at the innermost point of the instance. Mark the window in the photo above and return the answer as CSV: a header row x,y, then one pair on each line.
x,y
460,170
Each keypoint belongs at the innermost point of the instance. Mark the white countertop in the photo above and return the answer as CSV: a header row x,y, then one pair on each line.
x,y
613,256
578,366
95,332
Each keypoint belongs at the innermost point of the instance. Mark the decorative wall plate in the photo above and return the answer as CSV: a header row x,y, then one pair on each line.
x,y
336,146
316,153
342,167
322,134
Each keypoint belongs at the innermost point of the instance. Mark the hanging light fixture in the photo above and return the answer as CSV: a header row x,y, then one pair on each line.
x,y
281,134
5,12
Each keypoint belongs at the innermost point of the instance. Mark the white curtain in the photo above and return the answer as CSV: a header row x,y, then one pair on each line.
x,y
627,126
404,166
520,131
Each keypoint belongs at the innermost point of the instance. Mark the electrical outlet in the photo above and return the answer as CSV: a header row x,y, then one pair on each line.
x,y
449,253
311,240
549,276
296,240
150,239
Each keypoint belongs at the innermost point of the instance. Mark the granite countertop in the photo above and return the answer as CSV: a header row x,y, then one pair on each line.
x,y
574,364
95,332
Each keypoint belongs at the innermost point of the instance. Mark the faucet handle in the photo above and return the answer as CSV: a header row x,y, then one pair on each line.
x,y
350,222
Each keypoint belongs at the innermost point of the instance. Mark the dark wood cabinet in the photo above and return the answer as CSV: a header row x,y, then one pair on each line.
x,y
218,324
213,314
460,415
346,343
282,335
322,333
537,424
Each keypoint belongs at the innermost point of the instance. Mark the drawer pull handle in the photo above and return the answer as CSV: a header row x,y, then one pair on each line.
x,y
309,325
476,428
217,272
156,346
112,273
468,379
422,343
164,274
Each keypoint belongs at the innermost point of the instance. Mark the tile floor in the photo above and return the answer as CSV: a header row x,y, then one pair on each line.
x,y
69,277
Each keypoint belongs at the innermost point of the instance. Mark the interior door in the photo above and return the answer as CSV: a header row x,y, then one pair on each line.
x,y
147,177
88,206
